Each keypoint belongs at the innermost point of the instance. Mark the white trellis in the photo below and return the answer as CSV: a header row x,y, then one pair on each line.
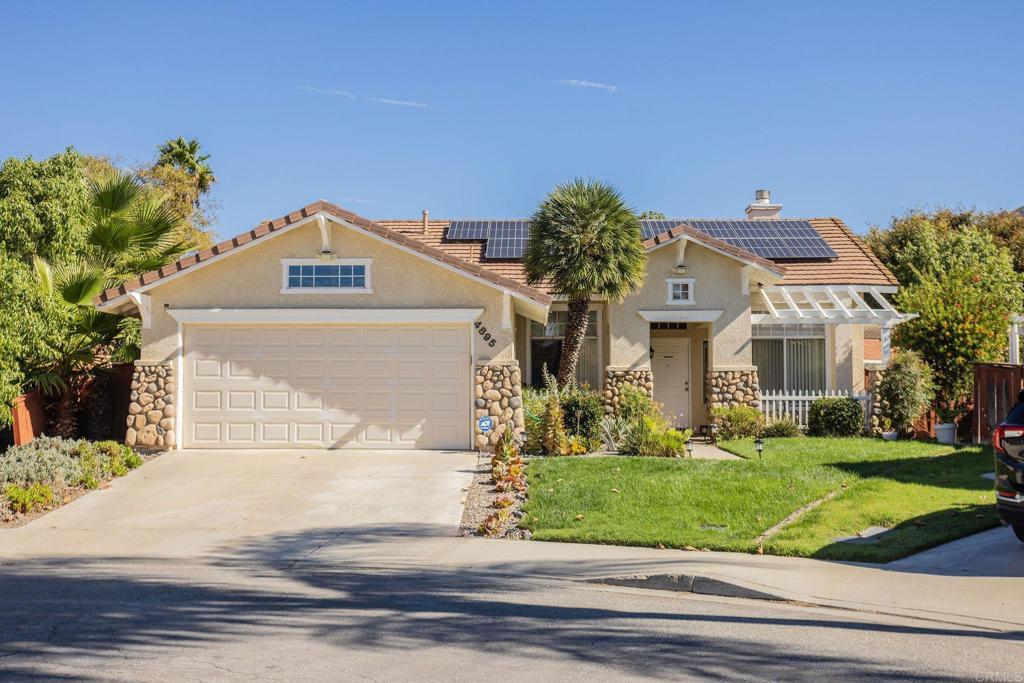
x,y
796,406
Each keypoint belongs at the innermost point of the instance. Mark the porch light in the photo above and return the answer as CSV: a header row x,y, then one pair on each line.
x,y
689,448
759,446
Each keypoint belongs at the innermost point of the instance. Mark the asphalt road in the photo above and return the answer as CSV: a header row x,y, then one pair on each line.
x,y
120,620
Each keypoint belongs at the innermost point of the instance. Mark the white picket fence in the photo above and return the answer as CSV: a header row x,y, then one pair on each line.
x,y
777,405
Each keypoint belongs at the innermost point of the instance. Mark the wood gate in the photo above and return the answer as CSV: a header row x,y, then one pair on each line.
x,y
996,386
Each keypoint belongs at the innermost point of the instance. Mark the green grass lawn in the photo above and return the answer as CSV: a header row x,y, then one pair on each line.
x,y
927,493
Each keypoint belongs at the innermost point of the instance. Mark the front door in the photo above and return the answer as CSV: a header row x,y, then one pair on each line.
x,y
671,368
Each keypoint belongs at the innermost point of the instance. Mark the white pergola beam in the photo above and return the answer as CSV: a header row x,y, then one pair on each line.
x,y
859,300
768,302
838,303
814,302
791,303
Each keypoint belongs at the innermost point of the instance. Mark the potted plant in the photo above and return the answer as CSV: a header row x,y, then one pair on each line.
x,y
945,430
888,433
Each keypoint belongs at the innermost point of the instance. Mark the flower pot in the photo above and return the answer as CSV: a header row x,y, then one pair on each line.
x,y
890,436
945,432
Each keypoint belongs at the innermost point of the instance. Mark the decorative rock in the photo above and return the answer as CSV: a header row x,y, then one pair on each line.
x,y
732,388
614,380
498,391
151,411
492,395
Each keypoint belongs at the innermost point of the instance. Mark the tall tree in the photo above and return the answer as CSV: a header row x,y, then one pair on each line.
x,y
586,242
185,154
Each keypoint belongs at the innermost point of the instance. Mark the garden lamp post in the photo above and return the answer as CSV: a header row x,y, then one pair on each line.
x,y
689,448
759,446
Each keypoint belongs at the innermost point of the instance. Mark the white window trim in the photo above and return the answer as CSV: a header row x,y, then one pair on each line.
x,y
669,281
785,354
368,263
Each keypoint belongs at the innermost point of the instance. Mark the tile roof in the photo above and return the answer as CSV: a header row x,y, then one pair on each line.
x,y
403,238
714,243
856,264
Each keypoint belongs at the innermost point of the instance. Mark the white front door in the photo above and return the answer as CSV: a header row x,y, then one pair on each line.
x,y
671,369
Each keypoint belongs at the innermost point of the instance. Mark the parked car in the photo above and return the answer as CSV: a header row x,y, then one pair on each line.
x,y
1008,444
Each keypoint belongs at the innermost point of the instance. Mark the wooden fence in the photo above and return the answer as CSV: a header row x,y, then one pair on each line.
x,y
996,386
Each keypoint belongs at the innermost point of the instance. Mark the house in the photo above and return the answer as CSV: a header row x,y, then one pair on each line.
x,y
324,329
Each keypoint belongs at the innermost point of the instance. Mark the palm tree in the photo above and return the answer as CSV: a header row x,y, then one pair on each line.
x,y
131,231
185,155
585,241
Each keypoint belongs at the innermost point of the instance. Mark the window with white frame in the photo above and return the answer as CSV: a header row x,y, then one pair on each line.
x,y
320,276
789,357
680,290
546,349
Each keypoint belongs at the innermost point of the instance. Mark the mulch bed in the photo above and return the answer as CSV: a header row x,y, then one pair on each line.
x,y
479,504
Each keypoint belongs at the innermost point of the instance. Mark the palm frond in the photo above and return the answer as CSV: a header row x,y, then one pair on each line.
x,y
77,282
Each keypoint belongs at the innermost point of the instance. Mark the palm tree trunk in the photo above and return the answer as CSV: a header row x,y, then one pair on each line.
x,y
572,344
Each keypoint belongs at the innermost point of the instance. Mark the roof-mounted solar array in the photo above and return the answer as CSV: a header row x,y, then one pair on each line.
x,y
770,239
773,239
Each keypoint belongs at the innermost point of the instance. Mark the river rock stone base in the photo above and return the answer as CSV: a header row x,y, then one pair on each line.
x,y
879,408
151,411
733,388
614,380
498,392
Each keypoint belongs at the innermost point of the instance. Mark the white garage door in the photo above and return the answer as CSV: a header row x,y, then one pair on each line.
x,y
326,386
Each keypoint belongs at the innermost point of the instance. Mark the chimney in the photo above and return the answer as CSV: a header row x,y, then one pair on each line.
x,y
762,206
426,219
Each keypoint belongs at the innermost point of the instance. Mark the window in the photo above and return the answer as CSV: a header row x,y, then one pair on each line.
x,y
546,349
680,290
318,276
790,358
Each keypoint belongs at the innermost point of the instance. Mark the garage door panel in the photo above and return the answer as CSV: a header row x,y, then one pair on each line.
x,y
330,386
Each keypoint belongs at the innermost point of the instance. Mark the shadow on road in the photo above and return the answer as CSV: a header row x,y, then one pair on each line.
x,y
60,611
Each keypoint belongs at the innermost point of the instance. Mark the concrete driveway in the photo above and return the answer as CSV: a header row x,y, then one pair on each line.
x,y
197,503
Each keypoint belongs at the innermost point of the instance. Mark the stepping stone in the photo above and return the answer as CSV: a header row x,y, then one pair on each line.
x,y
869,535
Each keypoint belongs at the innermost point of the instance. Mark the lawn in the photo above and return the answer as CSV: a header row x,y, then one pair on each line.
x,y
926,493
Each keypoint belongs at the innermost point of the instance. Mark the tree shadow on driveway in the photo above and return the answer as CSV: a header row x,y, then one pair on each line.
x,y
57,613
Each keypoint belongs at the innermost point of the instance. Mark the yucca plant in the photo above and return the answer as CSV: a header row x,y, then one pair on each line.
x,y
585,241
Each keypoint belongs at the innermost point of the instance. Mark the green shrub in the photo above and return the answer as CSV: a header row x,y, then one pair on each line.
x,y
835,416
583,411
555,439
653,436
741,422
634,403
783,428
906,390
46,460
28,498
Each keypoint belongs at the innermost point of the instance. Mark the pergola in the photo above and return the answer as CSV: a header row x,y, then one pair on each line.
x,y
832,305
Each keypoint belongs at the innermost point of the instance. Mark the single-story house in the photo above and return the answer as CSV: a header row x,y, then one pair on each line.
x,y
325,329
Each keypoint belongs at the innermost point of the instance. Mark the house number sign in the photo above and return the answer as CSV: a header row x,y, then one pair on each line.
x,y
482,331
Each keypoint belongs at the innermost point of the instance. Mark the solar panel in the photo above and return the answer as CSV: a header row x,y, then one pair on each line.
x,y
505,239
771,239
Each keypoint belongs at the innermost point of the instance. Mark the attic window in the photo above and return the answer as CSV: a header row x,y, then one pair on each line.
x,y
680,290
338,276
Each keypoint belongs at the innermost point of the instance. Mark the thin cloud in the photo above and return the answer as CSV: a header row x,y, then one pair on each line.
x,y
328,91
577,83
399,103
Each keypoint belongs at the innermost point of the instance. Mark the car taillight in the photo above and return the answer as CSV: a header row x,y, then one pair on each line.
x,y
1003,432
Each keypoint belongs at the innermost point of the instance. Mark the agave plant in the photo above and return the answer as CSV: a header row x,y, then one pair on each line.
x,y
132,230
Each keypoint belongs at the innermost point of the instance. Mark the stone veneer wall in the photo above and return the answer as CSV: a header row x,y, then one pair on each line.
x,y
151,411
615,379
498,392
732,388
875,372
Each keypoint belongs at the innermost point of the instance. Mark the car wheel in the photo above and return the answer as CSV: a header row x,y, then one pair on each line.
x,y
1018,530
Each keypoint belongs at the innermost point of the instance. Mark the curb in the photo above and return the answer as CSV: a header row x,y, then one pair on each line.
x,y
688,583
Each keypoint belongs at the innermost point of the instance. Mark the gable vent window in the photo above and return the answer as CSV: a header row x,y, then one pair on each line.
x,y
680,290
348,276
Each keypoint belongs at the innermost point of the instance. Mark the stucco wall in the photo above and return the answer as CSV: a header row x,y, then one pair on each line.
x,y
848,358
252,279
716,287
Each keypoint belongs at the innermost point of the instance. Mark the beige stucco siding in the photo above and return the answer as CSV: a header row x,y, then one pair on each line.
x,y
251,278
847,358
716,287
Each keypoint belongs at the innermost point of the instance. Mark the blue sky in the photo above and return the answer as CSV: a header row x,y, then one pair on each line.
x,y
860,110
